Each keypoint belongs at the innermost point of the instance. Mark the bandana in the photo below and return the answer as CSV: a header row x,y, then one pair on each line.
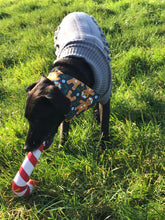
x,y
80,95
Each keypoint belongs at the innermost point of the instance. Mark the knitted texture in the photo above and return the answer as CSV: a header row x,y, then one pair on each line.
x,y
80,95
79,35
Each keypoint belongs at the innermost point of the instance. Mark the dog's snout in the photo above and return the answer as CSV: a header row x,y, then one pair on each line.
x,y
27,148
30,145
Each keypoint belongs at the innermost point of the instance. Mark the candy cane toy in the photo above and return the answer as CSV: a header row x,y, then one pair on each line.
x,y
21,185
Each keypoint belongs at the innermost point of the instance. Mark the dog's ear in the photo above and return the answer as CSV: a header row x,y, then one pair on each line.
x,y
29,88
56,97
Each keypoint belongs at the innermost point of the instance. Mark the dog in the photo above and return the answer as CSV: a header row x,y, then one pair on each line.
x,y
79,79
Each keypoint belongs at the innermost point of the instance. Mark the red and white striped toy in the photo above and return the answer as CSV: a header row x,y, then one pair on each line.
x,y
21,185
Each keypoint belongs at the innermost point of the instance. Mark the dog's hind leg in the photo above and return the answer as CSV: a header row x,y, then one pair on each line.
x,y
64,129
103,118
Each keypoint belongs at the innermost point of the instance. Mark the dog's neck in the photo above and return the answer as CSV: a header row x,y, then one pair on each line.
x,y
81,96
76,67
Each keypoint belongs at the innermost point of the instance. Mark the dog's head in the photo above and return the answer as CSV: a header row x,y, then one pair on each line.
x,y
46,108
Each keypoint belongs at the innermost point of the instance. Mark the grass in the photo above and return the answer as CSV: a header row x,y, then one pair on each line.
x,y
127,180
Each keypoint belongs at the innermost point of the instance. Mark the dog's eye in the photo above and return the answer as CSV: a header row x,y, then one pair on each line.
x,y
36,120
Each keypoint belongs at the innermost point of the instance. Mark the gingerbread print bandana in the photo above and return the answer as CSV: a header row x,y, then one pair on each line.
x,y
81,96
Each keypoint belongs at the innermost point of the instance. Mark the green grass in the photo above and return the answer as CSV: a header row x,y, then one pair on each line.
x,y
127,181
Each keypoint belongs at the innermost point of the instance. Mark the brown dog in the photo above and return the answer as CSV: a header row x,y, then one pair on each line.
x,y
47,106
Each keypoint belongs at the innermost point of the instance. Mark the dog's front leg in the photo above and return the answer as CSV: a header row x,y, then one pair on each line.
x,y
64,129
104,113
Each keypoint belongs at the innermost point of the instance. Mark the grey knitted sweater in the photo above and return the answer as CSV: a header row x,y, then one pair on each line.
x,y
79,35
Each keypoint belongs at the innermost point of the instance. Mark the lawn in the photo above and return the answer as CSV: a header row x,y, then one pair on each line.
x,y
127,181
